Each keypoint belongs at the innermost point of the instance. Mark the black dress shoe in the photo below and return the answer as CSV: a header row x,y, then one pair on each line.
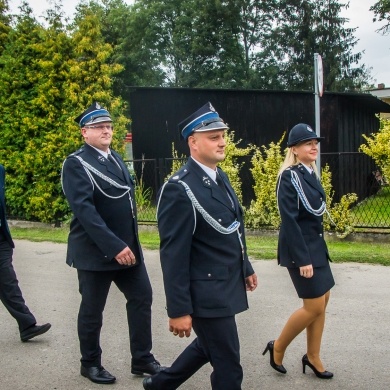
x,y
322,375
278,367
148,368
34,331
148,383
97,375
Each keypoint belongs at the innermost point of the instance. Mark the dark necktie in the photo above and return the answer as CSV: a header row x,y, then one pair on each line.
x,y
221,184
117,168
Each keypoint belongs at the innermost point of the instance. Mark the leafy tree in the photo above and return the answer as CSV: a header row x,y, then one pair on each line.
x,y
381,10
5,20
50,74
18,113
305,27
228,44
203,43
122,28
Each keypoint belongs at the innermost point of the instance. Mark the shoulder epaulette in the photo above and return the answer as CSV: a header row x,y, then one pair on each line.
x,y
178,175
77,152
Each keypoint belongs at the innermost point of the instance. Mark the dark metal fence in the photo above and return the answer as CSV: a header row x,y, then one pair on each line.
x,y
351,173
357,173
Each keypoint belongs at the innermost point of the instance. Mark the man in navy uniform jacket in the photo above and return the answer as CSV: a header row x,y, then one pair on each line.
x,y
103,245
10,293
203,255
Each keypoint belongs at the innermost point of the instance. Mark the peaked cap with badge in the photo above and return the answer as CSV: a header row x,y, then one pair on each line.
x,y
301,132
93,114
204,119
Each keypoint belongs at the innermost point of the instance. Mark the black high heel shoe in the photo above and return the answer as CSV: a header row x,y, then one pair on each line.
x,y
322,375
270,348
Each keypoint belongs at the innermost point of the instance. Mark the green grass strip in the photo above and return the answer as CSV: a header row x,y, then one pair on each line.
x,y
262,246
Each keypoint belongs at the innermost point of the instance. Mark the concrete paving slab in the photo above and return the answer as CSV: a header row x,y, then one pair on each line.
x,y
356,344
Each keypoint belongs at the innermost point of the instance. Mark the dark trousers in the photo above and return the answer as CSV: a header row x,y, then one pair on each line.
x,y
216,343
94,287
10,293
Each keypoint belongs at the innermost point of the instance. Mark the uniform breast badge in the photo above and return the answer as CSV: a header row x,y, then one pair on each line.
x,y
206,181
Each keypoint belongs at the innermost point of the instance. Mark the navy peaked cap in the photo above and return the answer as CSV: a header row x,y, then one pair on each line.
x,y
93,114
301,132
204,119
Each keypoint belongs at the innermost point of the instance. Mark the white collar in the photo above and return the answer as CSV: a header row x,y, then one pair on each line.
x,y
209,171
104,154
309,168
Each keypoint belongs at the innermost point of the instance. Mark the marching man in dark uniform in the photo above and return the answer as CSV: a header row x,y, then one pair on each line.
x,y
10,293
103,245
302,249
203,256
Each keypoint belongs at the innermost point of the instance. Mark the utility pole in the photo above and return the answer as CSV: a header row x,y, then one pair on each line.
x,y
318,91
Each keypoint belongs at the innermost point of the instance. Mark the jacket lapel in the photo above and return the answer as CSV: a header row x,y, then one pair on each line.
x,y
312,180
210,184
106,167
232,195
125,170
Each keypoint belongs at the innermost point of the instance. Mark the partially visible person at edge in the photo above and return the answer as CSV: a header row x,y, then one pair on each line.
x,y
10,293
203,256
302,249
103,245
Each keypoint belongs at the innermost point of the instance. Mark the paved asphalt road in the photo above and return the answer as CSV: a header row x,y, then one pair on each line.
x,y
356,344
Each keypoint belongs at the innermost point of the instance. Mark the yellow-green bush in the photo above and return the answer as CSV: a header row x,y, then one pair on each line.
x,y
263,210
266,162
340,218
177,162
378,147
230,165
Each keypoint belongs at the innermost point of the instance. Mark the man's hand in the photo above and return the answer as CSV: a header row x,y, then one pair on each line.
x,y
125,257
251,282
181,326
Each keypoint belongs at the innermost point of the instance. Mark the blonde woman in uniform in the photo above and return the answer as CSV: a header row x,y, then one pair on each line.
x,y
302,249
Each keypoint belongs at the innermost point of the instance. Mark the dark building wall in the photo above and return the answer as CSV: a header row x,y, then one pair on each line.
x,y
261,117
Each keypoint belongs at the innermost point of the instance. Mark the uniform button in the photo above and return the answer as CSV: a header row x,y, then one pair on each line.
x,y
219,220
320,235
209,275
321,199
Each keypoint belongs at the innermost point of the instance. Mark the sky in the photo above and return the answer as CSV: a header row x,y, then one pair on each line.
x,y
376,47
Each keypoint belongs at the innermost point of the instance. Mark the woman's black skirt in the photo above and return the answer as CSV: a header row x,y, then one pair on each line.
x,y
314,287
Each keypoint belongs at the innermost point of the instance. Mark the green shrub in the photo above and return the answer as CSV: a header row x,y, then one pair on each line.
x,y
263,209
177,162
142,194
341,218
378,147
230,164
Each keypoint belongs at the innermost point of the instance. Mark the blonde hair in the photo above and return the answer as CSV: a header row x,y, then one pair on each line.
x,y
292,159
